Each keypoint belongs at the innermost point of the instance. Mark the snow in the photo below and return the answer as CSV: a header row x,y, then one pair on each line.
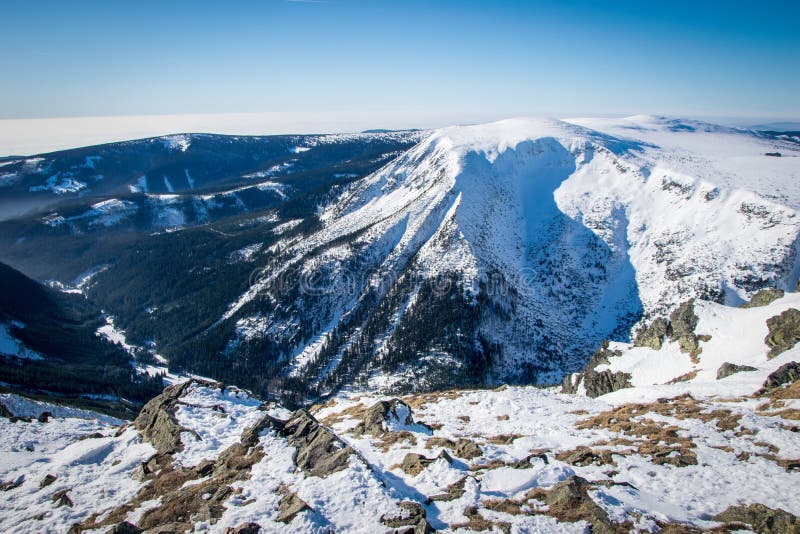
x,y
11,346
593,223
140,186
116,336
60,183
299,149
737,337
216,419
179,143
245,253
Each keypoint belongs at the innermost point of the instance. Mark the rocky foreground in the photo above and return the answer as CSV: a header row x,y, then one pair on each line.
x,y
693,427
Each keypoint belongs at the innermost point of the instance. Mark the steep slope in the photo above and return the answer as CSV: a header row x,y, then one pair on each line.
x,y
508,251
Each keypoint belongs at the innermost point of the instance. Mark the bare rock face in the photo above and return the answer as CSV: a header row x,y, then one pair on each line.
x,y
652,336
124,528
461,447
319,451
5,412
290,504
784,332
156,422
410,520
787,373
763,298
376,417
598,383
761,518
244,528
569,501
414,463
727,369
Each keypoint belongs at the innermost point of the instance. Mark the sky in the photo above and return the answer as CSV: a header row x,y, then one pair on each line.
x,y
424,63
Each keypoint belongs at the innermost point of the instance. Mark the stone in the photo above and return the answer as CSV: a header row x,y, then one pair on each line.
x,y
156,421
61,498
652,336
124,528
47,480
727,369
784,332
379,414
762,518
413,463
44,417
763,298
411,519
290,504
785,374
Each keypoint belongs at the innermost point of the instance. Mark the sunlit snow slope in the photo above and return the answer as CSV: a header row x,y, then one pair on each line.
x,y
517,246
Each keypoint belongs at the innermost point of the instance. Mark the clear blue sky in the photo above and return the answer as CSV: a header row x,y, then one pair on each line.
x,y
89,58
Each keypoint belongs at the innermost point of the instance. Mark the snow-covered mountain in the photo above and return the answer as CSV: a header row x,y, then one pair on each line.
x,y
693,443
510,250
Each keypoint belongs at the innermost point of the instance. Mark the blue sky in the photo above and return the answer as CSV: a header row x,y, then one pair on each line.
x,y
460,59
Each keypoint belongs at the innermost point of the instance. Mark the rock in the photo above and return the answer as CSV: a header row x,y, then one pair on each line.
x,y
413,463
462,447
569,501
411,520
653,335
12,484
784,332
5,412
682,321
785,374
47,480
44,417
124,528
763,519
244,528
61,498
319,451
727,369
290,504
598,383
379,414
156,421
763,298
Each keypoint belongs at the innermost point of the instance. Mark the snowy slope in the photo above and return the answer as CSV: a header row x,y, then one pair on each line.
x,y
512,459
560,233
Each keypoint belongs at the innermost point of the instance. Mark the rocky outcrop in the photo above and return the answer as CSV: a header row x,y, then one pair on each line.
x,y
47,480
156,421
787,373
61,498
5,412
413,463
244,528
410,520
652,336
290,504
461,447
763,297
727,369
319,451
679,328
594,382
124,528
568,501
376,418
761,518
784,332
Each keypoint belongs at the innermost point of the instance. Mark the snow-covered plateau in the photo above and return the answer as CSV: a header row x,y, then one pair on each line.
x,y
683,447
